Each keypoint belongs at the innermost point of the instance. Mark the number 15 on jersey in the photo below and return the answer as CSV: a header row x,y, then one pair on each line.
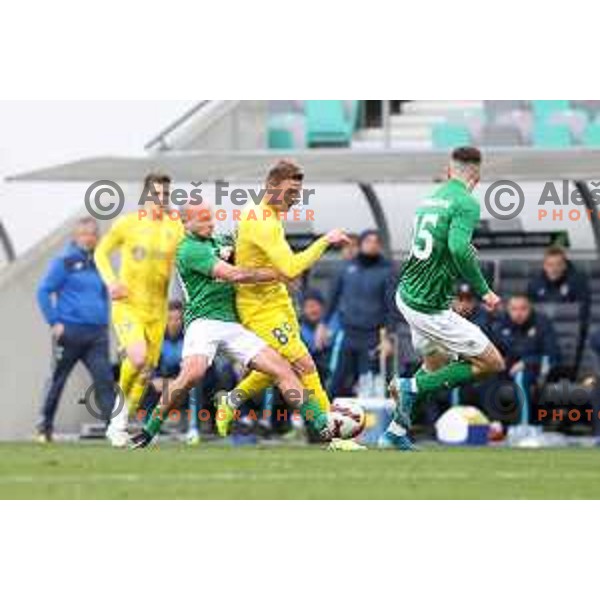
x,y
422,245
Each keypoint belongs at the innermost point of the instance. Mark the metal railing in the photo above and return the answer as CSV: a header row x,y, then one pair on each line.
x,y
6,244
159,140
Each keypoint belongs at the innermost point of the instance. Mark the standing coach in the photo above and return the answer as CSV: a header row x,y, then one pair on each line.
x,y
74,302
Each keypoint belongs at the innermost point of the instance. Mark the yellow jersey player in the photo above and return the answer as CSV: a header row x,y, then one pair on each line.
x,y
267,308
147,244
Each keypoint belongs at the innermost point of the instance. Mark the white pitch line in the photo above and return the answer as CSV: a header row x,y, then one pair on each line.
x,y
239,476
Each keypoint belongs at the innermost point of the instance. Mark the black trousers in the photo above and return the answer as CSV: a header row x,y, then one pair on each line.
x,y
88,344
351,357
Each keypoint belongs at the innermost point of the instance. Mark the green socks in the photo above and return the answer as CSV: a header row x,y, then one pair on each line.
x,y
154,424
453,375
313,416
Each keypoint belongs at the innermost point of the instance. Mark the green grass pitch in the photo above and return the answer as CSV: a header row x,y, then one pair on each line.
x,y
177,472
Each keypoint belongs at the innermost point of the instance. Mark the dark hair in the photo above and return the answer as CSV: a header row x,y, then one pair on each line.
x,y
156,177
282,170
467,155
176,305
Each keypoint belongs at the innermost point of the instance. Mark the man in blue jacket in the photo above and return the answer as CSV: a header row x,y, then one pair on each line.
x,y
559,281
363,299
74,302
528,342
313,331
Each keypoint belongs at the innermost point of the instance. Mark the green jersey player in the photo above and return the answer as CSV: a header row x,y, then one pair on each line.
x,y
454,351
211,323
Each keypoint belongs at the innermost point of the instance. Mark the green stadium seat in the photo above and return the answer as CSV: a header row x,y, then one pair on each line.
x,y
286,131
280,139
551,136
591,136
450,135
327,123
542,109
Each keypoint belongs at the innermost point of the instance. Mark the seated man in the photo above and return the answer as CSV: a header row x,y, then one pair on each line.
x,y
468,306
169,363
559,280
528,342
313,330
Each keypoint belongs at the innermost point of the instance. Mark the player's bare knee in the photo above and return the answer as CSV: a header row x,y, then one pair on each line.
x,y
489,363
272,364
138,357
498,363
192,372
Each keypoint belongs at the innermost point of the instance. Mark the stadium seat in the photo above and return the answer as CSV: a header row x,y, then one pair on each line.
x,y
592,107
551,136
494,108
590,267
595,314
280,139
287,131
562,312
567,324
352,111
517,268
327,123
522,119
591,136
575,119
473,120
513,285
448,135
542,109
494,135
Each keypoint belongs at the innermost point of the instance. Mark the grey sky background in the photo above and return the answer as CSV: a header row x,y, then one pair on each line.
x,y
36,134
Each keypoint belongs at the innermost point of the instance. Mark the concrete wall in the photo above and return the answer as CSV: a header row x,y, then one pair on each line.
x,y
25,348
225,125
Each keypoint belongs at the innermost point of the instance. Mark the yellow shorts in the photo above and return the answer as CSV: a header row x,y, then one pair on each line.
x,y
282,332
132,327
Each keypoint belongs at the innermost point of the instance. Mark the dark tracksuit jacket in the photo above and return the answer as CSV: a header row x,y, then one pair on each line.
x,y
362,299
534,343
572,287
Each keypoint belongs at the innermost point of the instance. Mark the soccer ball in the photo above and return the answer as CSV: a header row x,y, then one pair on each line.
x,y
347,419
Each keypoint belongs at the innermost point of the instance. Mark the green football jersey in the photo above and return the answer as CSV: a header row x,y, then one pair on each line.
x,y
205,297
441,253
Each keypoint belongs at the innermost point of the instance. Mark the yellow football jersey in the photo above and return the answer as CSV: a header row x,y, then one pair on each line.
x,y
147,249
260,243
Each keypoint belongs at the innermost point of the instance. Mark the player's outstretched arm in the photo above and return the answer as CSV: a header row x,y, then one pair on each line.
x,y
226,272
291,265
